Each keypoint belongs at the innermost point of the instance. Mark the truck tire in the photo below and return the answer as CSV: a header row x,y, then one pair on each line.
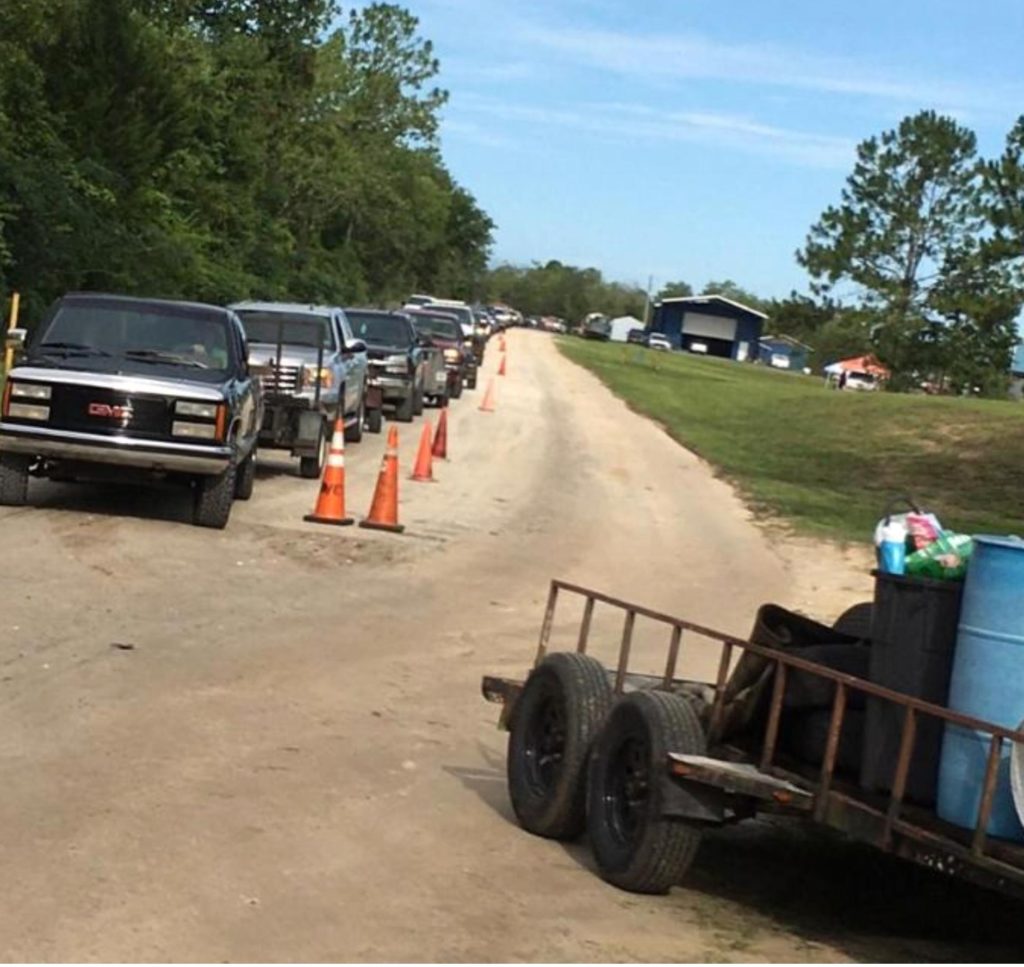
x,y
405,410
245,479
13,480
375,420
636,847
417,401
561,708
354,432
310,468
455,391
213,498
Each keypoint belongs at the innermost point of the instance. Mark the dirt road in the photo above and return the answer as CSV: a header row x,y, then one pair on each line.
x,y
268,743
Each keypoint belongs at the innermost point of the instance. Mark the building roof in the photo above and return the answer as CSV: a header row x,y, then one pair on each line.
x,y
703,300
788,340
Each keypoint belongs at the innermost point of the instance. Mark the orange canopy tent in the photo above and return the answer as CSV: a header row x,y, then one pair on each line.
x,y
860,364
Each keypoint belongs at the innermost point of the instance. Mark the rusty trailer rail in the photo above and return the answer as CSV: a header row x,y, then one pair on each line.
x,y
884,821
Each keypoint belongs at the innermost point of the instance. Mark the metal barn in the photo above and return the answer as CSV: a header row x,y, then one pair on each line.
x,y
711,325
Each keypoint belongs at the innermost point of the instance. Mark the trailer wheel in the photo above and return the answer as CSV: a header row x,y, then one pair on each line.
x,y
855,621
562,706
636,847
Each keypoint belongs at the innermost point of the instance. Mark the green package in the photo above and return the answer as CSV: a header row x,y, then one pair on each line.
x,y
945,559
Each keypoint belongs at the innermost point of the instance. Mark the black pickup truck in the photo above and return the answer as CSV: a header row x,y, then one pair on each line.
x,y
405,367
118,388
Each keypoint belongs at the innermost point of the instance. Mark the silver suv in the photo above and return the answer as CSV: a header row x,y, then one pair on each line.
x,y
312,370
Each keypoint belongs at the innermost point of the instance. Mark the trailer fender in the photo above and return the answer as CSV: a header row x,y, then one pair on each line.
x,y
691,800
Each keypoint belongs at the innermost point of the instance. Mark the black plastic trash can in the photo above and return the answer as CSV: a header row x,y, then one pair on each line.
x,y
913,633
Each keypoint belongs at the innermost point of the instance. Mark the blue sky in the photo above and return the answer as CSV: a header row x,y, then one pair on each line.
x,y
698,139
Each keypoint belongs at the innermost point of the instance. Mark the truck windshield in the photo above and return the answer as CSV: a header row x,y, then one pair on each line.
x,y
292,328
438,326
144,334
379,329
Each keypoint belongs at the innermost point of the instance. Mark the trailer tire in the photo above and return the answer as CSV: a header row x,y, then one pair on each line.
x,y
636,847
563,704
855,621
374,420
406,409
310,468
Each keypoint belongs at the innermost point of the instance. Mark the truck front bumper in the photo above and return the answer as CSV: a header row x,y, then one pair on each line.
x,y
120,451
391,387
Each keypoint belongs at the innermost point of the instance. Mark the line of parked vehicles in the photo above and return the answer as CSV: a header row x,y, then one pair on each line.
x,y
119,388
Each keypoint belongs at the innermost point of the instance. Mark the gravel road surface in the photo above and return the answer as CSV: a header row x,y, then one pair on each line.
x,y
268,743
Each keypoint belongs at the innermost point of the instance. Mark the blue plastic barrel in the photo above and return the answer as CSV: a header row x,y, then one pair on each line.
x,y
988,683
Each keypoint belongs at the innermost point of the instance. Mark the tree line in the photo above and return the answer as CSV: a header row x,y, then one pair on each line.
x,y
921,262
225,149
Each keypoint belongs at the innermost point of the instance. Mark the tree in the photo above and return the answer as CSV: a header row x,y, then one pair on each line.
x,y
910,206
674,290
730,290
221,149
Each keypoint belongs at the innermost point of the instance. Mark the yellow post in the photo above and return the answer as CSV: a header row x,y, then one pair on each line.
x,y
12,323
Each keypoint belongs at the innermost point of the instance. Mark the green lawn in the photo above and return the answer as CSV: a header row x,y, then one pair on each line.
x,y
825,461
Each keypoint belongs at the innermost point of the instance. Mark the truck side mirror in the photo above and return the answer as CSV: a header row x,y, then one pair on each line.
x,y
356,346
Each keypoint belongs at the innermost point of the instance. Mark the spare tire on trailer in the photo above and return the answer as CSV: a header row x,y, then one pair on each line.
x,y
562,706
855,621
636,846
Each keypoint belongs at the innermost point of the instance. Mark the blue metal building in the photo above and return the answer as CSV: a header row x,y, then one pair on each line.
x,y
711,325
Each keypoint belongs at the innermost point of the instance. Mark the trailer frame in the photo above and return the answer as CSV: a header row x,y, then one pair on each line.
x,y
746,783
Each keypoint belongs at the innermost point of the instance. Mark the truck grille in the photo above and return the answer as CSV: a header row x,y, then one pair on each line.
x,y
285,381
105,411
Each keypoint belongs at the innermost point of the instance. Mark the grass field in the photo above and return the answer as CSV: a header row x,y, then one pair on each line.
x,y
824,461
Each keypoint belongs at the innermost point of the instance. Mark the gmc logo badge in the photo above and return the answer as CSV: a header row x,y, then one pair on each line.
x,y
108,412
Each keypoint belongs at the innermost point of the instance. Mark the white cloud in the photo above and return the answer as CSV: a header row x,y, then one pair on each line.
x,y
692,56
624,122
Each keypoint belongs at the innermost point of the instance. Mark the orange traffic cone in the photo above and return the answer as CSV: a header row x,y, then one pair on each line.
x,y
501,345
501,366
487,406
330,504
441,437
424,469
383,514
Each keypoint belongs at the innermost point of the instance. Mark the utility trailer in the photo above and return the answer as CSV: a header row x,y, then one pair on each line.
x,y
645,763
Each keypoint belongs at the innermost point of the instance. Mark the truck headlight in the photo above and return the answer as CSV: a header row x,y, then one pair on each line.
x,y
30,391
194,431
309,377
396,364
206,421
28,411
452,356
205,411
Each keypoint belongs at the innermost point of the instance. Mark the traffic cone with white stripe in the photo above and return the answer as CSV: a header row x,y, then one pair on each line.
x,y
330,504
383,514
